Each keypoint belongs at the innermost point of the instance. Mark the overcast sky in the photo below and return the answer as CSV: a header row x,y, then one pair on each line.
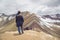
x,y
39,7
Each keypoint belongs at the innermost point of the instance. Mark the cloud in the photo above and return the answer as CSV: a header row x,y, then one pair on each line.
x,y
47,2
8,6
39,7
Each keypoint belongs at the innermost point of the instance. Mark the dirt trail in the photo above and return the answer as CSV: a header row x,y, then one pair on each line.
x,y
28,35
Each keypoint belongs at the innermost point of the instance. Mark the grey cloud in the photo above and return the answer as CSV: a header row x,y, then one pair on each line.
x,y
8,6
11,6
50,10
54,3
50,3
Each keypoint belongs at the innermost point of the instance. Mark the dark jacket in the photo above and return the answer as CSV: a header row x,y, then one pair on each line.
x,y
19,20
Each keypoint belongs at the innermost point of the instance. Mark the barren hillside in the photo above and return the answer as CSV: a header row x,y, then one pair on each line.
x,y
9,30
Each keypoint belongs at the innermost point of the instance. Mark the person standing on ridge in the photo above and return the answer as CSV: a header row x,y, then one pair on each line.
x,y
19,22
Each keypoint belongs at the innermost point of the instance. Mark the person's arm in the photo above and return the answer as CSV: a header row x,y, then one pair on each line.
x,y
23,19
16,19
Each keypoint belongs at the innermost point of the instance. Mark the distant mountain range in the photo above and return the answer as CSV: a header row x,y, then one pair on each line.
x,y
5,18
54,16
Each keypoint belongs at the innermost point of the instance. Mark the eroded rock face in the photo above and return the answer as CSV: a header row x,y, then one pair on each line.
x,y
33,26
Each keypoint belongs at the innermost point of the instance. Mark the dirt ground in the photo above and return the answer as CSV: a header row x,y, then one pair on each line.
x,y
28,35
